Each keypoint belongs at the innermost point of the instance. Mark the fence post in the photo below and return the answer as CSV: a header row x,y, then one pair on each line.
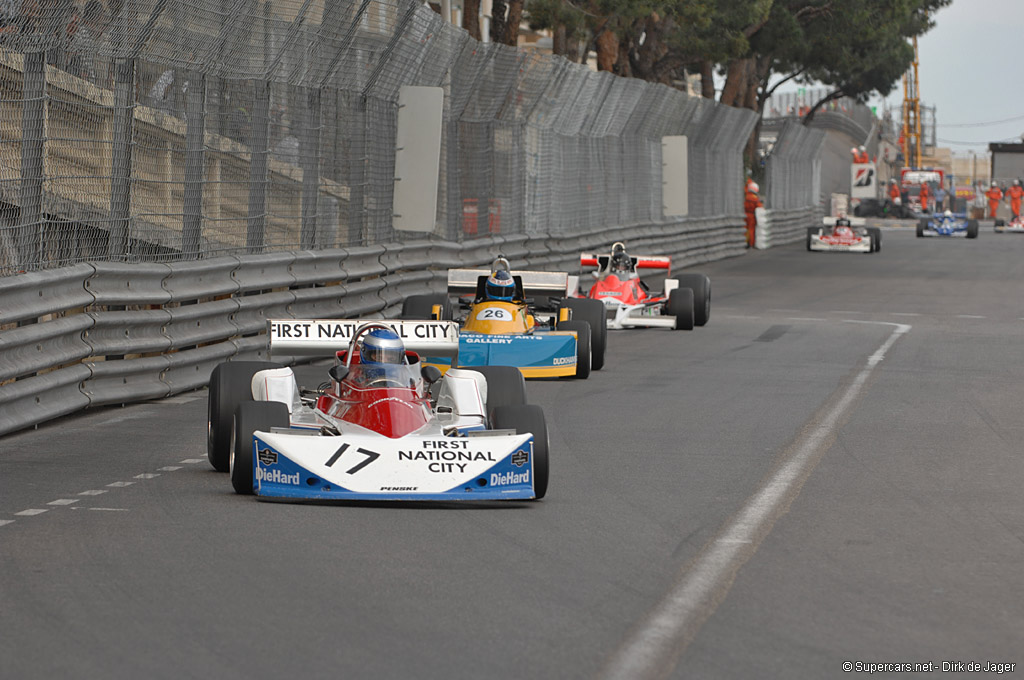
x,y
121,157
195,166
311,167
33,119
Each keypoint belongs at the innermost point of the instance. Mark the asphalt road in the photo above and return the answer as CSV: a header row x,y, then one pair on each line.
x,y
829,471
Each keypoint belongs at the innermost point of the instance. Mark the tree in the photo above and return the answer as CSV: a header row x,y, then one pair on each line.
x,y
505,20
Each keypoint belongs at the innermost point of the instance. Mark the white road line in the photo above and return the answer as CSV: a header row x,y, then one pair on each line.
x,y
30,512
904,314
93,492
170,468
6,521
120,484
64,501
147,475
969,316
654,645
110,509
193,461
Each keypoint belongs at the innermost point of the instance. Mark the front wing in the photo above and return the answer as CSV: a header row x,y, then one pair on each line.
x,y
622,315
413,468
538,355
861,246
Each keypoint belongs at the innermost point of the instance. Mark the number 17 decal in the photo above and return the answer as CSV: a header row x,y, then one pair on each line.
x,y
370,457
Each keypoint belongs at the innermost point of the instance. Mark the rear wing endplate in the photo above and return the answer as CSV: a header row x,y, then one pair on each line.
x,y
326,337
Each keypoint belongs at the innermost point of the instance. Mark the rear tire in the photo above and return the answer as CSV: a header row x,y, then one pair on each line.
x,y
811,231
701,287
876,239
251,416
680,305
583,346
524,419
921,226
230,385
972,228
421,307
505,386
592,311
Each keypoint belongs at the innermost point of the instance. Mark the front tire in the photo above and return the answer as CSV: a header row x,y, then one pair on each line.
x,y
230,385
680,305
972,228
593,312
876,239
700,284
524,419
583,346
921,226
811,231
251,416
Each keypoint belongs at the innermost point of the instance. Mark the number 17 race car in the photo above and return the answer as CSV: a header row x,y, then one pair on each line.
x,y
844,235
373,431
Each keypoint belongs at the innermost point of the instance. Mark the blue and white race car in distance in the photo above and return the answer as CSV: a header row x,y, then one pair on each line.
x,y
375,431
947,224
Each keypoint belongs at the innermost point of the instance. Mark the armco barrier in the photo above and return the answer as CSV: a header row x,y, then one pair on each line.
x,y
110,332
786,226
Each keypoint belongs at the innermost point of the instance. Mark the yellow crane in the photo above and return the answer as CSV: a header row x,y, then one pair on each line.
x,y
911,115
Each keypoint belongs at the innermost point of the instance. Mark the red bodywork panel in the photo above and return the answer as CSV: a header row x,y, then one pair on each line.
x,y
842,236
625,290
391,411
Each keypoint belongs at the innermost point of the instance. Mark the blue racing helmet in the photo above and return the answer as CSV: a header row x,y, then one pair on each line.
x,y
500,286
381,346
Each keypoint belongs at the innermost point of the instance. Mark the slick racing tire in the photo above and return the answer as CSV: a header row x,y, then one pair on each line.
x,y
230,385
876,239
249,417
583,346
811,231
680,305
505,386
701,287
921,226
421,307
972,228
524,419
592,311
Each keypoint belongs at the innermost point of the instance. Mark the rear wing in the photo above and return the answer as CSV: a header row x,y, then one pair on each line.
x,y
642,263
528,283
326,337
854,221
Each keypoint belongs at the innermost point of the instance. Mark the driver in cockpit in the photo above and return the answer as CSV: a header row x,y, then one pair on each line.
x,y
620,262
382,358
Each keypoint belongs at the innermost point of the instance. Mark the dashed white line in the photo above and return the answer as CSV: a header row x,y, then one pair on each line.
x,y
147,475
170,468
904,314
110,509
6,521
652,648
64,501
30,512
969,316
193,461
120,484
93,492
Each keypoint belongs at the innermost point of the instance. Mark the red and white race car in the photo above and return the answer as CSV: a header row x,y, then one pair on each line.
x,y
844,234
1014,226
629,300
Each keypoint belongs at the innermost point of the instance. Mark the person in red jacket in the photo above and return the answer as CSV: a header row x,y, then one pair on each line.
x,y
1015,193
924,195
894,190
751,203
994,195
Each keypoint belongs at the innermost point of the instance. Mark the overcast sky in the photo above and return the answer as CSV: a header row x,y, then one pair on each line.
x,y
970,70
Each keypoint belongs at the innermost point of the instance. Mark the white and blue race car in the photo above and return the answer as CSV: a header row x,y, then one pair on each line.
x,y
371,431
947,224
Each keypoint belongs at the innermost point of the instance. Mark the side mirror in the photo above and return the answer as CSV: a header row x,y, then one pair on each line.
x,y
338,372
430,374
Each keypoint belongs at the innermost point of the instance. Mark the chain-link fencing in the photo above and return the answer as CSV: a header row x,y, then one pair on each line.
x,y
165,130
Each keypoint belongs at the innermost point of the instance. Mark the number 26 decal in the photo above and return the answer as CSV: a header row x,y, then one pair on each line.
x,y
494,314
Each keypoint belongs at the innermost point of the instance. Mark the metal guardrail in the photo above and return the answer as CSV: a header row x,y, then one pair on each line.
x,y
112,332
786,226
